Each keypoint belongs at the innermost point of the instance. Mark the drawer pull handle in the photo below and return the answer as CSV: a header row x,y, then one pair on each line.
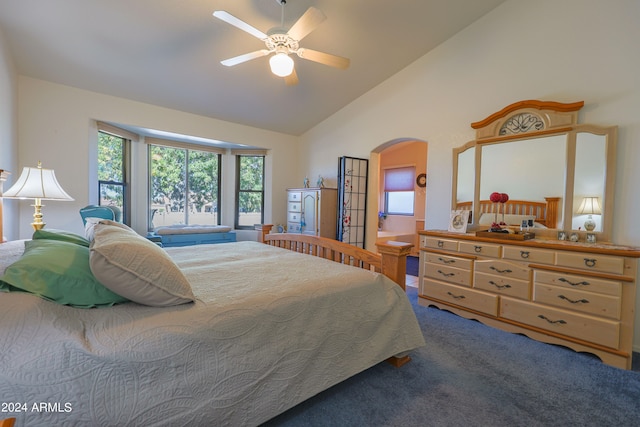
x,y
455,296
440,243
507,286
478,249
574,301
524,254
500,271
583,283
447,261
446,274
553,322
590,262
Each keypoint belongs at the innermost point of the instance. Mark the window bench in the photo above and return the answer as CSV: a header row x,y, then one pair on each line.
x,y
193,235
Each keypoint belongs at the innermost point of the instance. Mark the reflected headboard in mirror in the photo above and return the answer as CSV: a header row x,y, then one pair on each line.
x,y
543,213
538,154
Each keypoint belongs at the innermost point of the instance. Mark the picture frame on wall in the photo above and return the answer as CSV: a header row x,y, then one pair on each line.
x,y
458,221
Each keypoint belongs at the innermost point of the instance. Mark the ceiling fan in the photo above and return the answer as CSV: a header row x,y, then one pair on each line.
x,y
282,43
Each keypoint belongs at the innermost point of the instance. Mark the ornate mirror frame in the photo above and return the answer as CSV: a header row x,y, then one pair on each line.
x,y
538,122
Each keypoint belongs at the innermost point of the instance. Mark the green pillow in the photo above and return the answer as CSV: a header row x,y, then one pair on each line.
x,y
65,236
57,271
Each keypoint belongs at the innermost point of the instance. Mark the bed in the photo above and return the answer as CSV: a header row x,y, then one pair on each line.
x,y
544,213
269,327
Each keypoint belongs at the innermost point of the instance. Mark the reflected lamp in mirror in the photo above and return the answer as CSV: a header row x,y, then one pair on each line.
x,y
37,184
589,206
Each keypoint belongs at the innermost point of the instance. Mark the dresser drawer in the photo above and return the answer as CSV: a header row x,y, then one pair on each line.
x,y
293,216
295,196
294,207
294,227
503,269
583,301
449,274
519,253
444,244
571,281
465,297
502,285
582,326
479,248
591,262
450,261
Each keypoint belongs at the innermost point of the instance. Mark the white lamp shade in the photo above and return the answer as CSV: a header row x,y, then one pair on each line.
x,y
589,206
281,64
37,183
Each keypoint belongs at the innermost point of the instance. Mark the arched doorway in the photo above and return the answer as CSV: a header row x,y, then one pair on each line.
x,y
397,153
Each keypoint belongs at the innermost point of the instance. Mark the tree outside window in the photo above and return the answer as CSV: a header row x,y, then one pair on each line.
x,y
112,172
185,186
249,191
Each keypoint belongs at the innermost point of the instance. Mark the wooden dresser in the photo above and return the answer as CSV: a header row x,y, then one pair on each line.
x,y
313,211
578,295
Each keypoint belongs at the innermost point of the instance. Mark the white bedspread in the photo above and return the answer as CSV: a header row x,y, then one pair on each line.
x,y
270,328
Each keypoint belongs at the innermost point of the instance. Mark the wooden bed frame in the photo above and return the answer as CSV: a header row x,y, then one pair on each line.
x,y
391,261
546,213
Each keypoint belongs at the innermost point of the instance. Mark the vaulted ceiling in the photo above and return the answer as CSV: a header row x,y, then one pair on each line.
x,y
168,52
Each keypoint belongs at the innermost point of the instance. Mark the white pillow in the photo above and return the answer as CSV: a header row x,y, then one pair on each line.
x,y
91,222
509,219
136,268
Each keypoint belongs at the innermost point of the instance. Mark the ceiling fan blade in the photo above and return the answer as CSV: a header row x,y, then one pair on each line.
x,y
244,58
324,58
291,79
230,19
307,23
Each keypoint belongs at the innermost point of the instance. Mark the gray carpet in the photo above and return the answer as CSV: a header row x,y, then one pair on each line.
x,y
473,375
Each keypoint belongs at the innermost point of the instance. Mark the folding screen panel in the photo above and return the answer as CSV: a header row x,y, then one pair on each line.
x,y
352,199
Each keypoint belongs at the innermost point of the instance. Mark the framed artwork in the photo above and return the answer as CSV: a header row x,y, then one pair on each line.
x,y
562,235
458,221
591,238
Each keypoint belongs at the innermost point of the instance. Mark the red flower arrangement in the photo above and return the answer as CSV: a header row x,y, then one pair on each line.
x,y
502,198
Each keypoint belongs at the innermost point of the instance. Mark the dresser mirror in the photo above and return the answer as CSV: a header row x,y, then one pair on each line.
x,y
552,168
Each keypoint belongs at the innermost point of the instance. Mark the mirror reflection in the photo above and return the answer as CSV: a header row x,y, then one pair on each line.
x,y
589,184
531,169
466,175
559,171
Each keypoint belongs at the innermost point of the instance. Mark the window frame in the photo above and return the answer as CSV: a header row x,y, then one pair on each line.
x,y
126,169
188,148
406,184
238,190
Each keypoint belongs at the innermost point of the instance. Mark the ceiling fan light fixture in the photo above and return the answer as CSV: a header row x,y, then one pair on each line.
x,y
281,64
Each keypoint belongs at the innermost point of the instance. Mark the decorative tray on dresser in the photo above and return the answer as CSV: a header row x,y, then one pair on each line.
x,y
579,295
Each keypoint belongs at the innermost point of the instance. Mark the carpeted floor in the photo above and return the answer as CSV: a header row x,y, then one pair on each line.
x,y
412,265
473,375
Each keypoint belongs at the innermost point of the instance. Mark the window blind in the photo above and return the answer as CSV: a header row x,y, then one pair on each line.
x,y
399,179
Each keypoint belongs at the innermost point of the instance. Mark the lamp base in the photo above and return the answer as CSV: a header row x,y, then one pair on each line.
x,y
590,224
37,223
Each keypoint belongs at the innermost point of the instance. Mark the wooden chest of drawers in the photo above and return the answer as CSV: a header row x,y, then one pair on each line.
x,y
578,295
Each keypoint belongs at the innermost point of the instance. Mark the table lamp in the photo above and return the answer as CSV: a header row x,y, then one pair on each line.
x,y
38,184
589,206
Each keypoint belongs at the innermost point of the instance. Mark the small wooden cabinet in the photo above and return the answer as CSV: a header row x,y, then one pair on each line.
x,y
578,295
312,211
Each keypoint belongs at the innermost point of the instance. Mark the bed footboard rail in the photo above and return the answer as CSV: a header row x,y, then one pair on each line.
x,y
391,261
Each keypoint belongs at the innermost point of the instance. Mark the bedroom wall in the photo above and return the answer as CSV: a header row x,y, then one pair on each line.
x,y
565,51
57,126
8,136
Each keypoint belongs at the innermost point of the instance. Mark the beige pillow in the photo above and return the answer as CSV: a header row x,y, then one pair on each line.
x,y
136,268
92,221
